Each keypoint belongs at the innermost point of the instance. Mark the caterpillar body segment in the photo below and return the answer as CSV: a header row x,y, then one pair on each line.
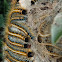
x,y
18,44
19,28
17,36
18,12
17,57
18,48
18,52
14,30
15,39
23,19
24,27
11,57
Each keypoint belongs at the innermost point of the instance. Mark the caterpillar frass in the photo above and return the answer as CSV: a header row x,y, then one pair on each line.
x,y
27,35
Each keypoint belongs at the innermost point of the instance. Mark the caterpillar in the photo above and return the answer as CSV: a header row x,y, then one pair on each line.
x,y
17,36
27,32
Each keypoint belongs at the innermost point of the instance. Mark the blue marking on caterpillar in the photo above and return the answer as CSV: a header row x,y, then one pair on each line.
x,y
27,30
15,39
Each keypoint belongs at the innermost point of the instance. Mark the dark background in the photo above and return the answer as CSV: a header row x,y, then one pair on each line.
x,y
4,8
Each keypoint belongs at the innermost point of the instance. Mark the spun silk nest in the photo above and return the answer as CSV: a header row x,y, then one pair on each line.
x,y
40,17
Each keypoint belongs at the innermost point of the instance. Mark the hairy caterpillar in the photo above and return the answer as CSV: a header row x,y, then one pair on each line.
x,y
21,45
17,36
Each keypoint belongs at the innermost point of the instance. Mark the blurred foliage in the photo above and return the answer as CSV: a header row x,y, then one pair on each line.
x,y
1,20
56,29
4,5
